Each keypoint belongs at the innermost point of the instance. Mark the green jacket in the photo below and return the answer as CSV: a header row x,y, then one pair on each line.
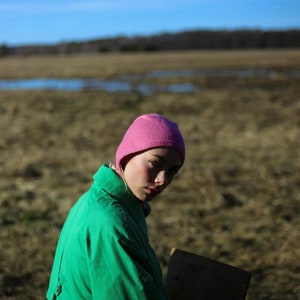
x,y
103,251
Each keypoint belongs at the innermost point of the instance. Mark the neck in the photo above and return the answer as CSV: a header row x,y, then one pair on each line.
x,y
119,172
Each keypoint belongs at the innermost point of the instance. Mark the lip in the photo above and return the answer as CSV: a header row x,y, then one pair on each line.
x,y
152,191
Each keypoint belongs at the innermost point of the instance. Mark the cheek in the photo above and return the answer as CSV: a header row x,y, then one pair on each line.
x,y
144,173
135,172
138,173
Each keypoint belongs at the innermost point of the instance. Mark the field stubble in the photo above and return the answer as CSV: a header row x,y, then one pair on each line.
x,y
236,199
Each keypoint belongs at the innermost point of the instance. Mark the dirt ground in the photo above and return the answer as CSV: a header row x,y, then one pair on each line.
x,y
236,200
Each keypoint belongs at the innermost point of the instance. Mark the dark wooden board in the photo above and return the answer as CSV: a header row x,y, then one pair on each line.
x,y
194,277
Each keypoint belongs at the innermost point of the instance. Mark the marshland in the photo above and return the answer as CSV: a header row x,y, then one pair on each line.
x,y
237,198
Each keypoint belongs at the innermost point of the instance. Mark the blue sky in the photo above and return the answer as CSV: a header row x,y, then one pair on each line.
x,y
37,21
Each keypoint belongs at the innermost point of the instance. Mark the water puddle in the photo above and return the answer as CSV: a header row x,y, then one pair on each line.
x,y
63,84
92,84
136,82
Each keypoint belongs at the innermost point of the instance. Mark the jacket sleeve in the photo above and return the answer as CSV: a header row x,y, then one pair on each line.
x,y
124,268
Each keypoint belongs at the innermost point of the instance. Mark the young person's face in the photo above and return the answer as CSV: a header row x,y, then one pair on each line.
x,y
147,174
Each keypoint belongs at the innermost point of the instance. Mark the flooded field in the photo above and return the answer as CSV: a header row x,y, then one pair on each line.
x,y
237,198
74,85
139,82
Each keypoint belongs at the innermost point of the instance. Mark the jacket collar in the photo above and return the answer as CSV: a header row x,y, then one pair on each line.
x,y
113,184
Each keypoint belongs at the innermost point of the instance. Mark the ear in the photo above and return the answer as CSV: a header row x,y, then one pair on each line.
x,y
125,160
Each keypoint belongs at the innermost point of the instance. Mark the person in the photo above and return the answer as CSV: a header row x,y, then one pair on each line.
x,y
103,250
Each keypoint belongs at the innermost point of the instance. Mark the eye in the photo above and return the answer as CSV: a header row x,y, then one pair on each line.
x,y
173,172
155,163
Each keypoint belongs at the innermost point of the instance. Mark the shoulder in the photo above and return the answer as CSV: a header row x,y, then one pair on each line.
x,y
105,214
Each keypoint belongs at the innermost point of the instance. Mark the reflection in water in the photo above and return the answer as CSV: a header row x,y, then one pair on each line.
x,y
64,84
136,82
92,84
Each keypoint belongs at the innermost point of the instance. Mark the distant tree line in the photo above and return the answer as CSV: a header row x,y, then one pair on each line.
x,y
186,40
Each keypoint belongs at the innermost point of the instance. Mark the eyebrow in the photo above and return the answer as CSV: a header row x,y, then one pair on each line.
x,y
161,158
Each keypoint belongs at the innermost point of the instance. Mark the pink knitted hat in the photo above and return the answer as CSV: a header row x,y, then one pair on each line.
x,y
150,131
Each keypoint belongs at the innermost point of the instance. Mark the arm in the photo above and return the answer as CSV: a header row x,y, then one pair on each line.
x,y
125,269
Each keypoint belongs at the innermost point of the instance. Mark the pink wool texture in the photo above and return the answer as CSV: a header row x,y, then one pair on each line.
x,y
147,132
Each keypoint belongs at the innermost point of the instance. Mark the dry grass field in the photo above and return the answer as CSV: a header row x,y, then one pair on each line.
x,y
236,200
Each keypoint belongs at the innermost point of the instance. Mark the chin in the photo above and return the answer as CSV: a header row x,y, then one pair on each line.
x,y
142,198
148,199
145,198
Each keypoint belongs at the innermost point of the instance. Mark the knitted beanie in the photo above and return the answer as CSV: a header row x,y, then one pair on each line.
x,y
147,132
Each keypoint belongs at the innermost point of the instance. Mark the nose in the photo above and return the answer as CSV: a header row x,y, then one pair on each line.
x,y
161,178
